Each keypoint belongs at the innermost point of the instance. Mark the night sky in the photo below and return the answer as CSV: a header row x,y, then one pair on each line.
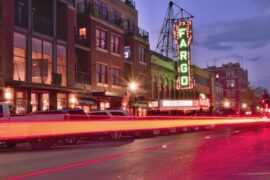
x,y
224,31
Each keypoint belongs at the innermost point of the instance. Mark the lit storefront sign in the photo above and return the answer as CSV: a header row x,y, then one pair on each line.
x,y
184,104
176,103
203,100
153,104
183,39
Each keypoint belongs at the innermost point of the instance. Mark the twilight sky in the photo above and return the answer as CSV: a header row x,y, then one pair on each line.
x,y
223,31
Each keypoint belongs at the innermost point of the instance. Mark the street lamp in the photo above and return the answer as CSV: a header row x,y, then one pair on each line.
x,y
226,104
244,105
133,86
8,95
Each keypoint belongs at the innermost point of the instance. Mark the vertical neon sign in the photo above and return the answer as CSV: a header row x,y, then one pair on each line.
x,y
183,39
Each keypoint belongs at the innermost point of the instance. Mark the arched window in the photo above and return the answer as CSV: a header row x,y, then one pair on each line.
x,y
161,88
165,85
155,88
172,90
167,89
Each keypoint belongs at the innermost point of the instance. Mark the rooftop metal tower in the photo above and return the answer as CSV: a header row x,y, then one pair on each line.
x,y
166,45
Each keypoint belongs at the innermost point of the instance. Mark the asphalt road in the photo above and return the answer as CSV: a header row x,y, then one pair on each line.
x,y
216,154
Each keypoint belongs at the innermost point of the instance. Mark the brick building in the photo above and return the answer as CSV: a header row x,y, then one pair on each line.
x,y
106,30
64,53
234,80
37,53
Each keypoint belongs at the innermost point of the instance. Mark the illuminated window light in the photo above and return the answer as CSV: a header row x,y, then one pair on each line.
x,y
82,33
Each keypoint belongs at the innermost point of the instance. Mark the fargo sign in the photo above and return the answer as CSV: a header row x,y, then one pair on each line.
x,y
183,39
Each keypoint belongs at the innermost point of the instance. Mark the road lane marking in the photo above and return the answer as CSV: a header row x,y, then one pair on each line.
x,y
252,174
94,161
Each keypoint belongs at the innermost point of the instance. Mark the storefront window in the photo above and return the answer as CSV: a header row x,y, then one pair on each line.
x,y
20,102
41,61
34,102
61,101
86,109
104,105
45,101
19,59
62,64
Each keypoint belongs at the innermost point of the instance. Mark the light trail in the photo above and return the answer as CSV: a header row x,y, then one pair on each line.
x,y
28,129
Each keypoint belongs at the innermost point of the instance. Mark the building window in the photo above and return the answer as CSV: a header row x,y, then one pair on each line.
x,y
115,44
100,38
45,102
82,33
81,7
102,74
61,100
34,102
41,61
103,106
231,94
102,9
155,88
20,102
116,16
141,54
62,64
229,73
19,58
161,89
230,83
116,76
21,13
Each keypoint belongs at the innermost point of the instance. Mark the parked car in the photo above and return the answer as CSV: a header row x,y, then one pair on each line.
x,y
121,115
72,114
111,115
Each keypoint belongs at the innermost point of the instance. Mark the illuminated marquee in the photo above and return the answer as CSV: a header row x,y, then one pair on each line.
x,y
176,103
183,39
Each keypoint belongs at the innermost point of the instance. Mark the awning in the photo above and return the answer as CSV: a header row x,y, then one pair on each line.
x,y
86,102
107,93
46,87
140,105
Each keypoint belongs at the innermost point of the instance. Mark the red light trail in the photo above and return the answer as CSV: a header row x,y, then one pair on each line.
x,y
28,129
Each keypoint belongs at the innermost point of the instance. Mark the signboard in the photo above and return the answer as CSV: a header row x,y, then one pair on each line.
x,y
176,103
153,104
183,39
